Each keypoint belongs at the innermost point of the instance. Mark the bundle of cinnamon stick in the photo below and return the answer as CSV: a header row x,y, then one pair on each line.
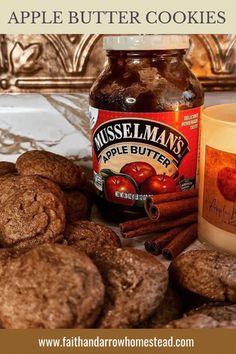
x,y
173,216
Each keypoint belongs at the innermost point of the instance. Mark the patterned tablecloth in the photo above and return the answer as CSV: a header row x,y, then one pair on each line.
x,y
59,123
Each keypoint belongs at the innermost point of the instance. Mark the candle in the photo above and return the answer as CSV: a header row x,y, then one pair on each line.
x,y
217,187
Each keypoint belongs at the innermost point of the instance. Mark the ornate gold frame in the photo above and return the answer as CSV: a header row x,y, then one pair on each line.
x,y
67,63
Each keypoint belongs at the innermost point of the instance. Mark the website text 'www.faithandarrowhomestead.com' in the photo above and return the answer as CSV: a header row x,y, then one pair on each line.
x,y
123,342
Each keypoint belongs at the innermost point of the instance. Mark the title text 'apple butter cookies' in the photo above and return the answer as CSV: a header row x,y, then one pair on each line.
x,y
135,284
50,286
208,273
31,212
89,236
52,166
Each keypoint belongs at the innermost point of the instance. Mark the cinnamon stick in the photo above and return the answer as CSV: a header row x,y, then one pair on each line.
x,y
168,197
175,208
134,224
156,244
155,226
181,241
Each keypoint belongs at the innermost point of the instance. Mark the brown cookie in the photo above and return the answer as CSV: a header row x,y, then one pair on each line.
x,y
55,189
89,189
30,213
50,286
191,300
135,283
89,236
217,311
5,255
7,168
208,273
200,321
170,309
11,184
78,206
52,166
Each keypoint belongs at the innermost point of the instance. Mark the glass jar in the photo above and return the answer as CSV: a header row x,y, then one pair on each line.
x,y
217,187
144,115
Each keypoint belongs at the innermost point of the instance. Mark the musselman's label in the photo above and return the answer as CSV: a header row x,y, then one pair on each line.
x,y
141,154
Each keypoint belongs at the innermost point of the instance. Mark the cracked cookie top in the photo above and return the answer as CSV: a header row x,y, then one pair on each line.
x,y
60,288
52,166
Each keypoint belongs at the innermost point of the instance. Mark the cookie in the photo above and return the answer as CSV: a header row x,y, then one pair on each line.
x,y
89,189
170,309
200,321
7,168
78,206
135,282
52,166
50,286
208,273
191,300
217,311
55,189
31,213
11,184
89,236
5,255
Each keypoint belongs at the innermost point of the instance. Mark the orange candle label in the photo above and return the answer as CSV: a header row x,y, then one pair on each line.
x,y
219,198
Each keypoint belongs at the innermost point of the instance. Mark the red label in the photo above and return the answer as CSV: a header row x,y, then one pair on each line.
x,y
141,154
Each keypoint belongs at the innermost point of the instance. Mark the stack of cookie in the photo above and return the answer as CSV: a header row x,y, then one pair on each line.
x,y
60,270
208,277
59,286
38,197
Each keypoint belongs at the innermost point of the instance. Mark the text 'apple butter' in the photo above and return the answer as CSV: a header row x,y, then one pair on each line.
x,y
144,114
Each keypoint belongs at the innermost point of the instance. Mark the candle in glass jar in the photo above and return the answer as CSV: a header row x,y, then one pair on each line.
x,y
217,187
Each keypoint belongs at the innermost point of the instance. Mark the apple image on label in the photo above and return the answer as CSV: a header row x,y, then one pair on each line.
x,y
119,184
139,171
158,184
226,182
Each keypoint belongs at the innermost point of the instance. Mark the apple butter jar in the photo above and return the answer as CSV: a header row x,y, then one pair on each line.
x,y
144,115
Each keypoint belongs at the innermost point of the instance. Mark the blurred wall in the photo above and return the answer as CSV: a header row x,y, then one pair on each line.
x,y
68,63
